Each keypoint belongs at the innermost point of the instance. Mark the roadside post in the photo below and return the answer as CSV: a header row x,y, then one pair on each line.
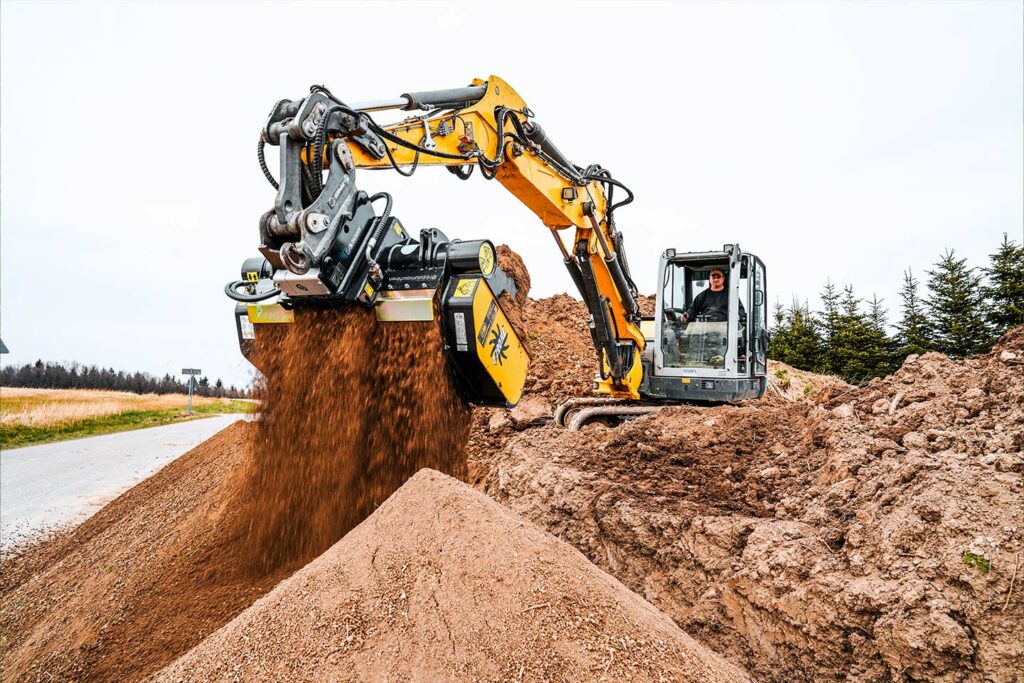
x,y
191,372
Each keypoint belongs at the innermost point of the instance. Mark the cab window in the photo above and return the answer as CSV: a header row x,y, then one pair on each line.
x,y
695,344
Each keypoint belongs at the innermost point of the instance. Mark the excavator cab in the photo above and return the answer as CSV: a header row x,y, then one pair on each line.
x,y
710,353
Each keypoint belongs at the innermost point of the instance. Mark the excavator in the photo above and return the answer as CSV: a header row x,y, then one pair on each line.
x,y
327,243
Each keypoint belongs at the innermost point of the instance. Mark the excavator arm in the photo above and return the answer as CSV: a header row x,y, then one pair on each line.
x,y
324,242
489,125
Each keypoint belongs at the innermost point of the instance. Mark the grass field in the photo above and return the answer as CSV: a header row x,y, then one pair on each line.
x,y
34,416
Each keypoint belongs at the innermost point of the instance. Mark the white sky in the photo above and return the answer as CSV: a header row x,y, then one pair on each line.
x,y
843,140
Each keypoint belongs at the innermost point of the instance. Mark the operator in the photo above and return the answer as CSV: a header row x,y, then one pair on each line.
x,y
713,303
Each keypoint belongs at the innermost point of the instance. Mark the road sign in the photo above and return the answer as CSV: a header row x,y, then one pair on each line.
x,y
191,383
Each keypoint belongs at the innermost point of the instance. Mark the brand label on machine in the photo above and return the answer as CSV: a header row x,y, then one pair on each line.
x,y
499,346
485,329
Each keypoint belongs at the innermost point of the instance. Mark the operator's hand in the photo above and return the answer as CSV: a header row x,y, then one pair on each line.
x,y
685,318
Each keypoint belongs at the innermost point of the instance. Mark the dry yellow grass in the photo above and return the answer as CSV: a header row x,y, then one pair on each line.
x,y
48,407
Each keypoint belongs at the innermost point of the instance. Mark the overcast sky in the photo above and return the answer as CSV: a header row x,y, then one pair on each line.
x,y
835,140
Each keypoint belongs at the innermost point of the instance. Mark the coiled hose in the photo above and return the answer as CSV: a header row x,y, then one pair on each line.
x,y
263,164
378,229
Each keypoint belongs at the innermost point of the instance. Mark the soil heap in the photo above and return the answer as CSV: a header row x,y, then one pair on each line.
x,y
867,534
353,409
442,583
825,532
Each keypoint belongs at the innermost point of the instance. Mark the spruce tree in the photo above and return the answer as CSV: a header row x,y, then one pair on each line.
x,y
881,347
1005,288
805,342
827,328
913,331
956,303
850,349
795,338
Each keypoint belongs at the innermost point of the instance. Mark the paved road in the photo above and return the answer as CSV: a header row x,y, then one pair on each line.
x,y
55,484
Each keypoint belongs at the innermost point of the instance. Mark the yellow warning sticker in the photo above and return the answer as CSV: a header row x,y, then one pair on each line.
x,y
486,258
367,289
464,289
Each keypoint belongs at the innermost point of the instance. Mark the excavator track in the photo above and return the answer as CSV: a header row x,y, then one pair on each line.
x,y
574,413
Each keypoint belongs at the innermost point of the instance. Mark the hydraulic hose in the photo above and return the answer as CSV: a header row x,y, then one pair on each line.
x,y
263,164
372,235
378,228
231,289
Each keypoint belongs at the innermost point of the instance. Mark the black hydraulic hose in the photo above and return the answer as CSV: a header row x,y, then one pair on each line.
x,y
378,228
307,185
318,149
231,289
460,172
398,169
611,181
361,252
408,145
263,164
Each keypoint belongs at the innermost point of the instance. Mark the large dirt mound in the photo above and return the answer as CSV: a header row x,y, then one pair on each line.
x,y
874,537
352,410
138,582
442,583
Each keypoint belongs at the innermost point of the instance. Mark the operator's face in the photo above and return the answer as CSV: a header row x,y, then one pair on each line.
x,y
717,282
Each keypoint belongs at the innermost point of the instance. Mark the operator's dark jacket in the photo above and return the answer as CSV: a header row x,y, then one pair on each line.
x,y
714,306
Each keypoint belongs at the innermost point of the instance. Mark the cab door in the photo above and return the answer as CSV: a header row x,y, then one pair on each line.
x,y
696,348
759,318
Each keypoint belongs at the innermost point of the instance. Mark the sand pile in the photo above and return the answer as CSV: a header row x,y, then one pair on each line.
x,y
351,413
139,582
441,583
872,537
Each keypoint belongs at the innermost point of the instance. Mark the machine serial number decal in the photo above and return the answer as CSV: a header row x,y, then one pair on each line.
x,y
460,331
485,329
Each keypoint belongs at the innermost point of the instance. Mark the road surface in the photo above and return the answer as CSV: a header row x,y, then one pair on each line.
x,y
57,484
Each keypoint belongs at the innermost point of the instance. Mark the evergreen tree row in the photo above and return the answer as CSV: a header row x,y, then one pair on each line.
x,y
963,311
40,375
